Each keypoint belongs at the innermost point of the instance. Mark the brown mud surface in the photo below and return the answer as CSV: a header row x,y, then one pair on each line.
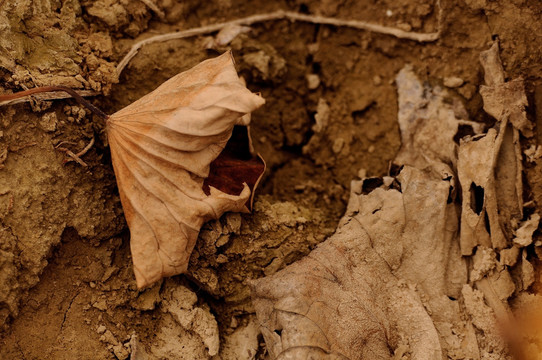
x,y
66,284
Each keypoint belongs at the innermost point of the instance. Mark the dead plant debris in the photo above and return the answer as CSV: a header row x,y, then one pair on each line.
x,y
174,168
182,155
382,272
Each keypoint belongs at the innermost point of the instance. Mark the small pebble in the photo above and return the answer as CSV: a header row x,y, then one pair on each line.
x,y
230,32
221,259
48,122
377,80
222,240
109,338
453,82
404,26
100,305
101,329
338,145
313,81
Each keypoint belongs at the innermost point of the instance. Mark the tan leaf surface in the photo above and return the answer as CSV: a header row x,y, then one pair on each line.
x,y
162,147
489,165
384,285
503,99
405,276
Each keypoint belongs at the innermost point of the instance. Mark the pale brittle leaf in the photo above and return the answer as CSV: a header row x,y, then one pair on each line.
x,y
385,282
164,146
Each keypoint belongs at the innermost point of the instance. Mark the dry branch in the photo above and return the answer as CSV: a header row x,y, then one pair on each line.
x,y
289,15
54,95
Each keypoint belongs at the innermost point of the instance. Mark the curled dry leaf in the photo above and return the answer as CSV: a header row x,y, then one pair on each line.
x,y
384,285
490,167
178,165
387,283
503,99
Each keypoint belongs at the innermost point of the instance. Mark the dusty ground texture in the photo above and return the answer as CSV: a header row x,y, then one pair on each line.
x,y
66,284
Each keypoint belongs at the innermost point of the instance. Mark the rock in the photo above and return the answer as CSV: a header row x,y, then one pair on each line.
x,y
121,352
527,271
100,304
483,262
109,338
322,116
453,82
101,329
313,81
48,122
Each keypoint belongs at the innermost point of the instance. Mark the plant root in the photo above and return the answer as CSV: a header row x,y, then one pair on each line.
x,y
72,155
54,95
292,16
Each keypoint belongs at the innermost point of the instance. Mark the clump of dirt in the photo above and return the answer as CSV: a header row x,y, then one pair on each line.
x,y
330,116
41,197
235,249
49,43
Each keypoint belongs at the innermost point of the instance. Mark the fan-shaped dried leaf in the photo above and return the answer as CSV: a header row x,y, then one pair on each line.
x,y
165,145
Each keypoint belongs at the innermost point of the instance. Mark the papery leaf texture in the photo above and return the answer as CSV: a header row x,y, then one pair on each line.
x,y
172,171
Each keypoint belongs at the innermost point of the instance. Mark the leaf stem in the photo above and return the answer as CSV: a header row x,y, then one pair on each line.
x,y
43,89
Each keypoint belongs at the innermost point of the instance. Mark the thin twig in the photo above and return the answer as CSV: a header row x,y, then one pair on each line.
x,y
277,15
55,95
75,157
280,15
48,89
86,148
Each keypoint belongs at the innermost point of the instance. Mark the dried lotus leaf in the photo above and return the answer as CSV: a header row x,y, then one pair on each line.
x,y
388,278
164,146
